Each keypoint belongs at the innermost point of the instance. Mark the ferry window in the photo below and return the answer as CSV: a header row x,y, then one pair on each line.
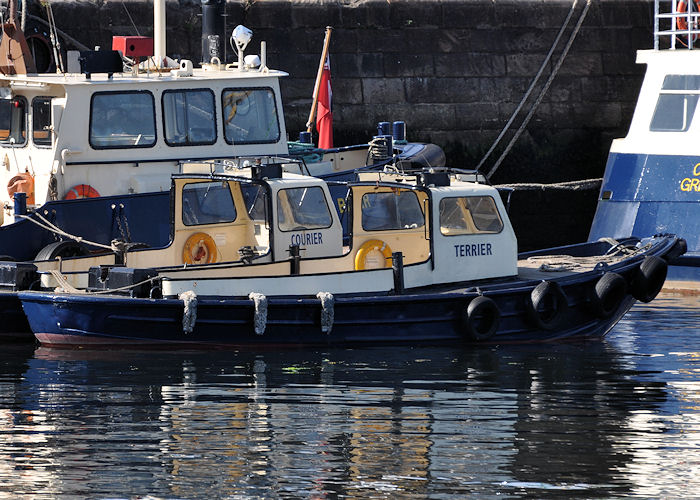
x,y
189,117
673,112
207,203
681,82
41,121
469,215
122,120
302,208
250,116
13,121
396,209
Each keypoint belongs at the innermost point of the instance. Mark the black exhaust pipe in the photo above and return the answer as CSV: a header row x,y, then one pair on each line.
x,y
213,36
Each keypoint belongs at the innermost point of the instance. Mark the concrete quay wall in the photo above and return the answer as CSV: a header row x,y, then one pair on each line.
x,y
453,70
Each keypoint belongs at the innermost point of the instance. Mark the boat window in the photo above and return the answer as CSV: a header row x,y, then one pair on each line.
x,y
189,117
675,107
250,116
681,82
41,121
13,120
469,215
122,120
207,203
255,197
673,112
395,209
302,208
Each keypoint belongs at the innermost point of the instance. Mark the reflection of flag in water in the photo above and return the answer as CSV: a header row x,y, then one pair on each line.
x,y
324,115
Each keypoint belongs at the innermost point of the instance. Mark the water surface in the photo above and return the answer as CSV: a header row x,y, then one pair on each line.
x,y
615,418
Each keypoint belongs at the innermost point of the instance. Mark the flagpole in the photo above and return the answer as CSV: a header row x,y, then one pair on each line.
x,y
324,54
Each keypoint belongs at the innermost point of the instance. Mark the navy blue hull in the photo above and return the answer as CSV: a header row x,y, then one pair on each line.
x,y
72,320
652,194
14,323
435,315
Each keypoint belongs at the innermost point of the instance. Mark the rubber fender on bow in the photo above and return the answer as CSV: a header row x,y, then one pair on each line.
x,y
67,248
649,278
367,258
199,249
81,191
481,319
608,293
547,305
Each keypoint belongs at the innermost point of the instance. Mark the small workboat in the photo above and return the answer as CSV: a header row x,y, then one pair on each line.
x,y
260,257
652,177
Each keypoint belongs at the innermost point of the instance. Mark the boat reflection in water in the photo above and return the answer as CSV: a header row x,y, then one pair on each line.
x,y
592,419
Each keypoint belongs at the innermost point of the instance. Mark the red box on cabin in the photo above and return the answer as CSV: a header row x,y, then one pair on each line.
x,y
133,46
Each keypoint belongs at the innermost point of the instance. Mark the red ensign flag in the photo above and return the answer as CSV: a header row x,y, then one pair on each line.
x,y
324,115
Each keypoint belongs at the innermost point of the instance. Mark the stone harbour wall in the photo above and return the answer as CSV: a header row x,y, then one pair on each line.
x,y
453,70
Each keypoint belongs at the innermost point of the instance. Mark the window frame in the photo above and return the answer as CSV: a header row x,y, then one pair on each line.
x,y
123,146
214,112
325,202
25,123
276,111
209,182
404,191
684,86
39,99
469,233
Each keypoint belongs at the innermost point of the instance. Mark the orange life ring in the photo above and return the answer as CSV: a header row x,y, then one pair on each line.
x,y
81,191
22,183
199,249
367,258
682,21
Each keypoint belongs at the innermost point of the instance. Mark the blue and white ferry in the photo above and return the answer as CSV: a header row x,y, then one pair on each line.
x,y
652,177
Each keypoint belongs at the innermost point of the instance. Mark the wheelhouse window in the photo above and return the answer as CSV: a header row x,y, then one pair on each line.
x,y
122,120
41,121
189,117
676,104
302,208
207,203
396,209
255,197
250,116
469,215
13,120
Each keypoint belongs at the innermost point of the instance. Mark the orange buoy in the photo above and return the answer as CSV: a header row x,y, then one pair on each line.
x,y
682,21
199,249
81,191
22,183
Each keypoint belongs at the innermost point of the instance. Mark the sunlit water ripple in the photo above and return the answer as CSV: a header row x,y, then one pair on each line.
x,y
605,419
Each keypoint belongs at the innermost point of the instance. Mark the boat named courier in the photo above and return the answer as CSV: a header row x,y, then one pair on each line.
x,y
429,258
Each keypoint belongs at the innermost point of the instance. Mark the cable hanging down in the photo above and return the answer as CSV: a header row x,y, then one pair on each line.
x,y
543,91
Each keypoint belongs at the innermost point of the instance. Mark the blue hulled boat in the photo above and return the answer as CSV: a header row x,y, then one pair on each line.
x,y
428,258
652,177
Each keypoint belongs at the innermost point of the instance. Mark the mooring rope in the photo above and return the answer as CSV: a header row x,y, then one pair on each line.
x,y
544,90
49,226
532,86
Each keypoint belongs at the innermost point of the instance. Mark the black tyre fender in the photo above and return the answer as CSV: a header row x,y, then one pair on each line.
x,y
7,258
68,248
547,305
481,319
649,278
608,293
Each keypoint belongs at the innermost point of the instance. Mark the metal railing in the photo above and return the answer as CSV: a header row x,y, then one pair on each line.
x,y
678,22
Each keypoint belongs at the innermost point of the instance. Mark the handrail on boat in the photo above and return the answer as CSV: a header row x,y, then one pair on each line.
x,y
677,22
